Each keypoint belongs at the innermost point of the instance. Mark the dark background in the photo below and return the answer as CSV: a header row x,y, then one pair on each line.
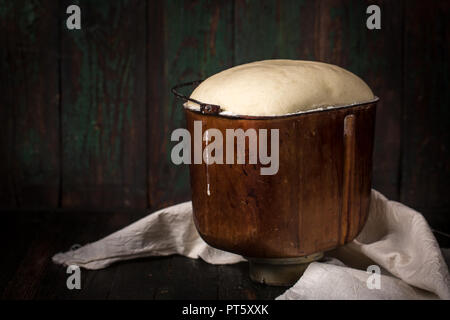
x,y
86,115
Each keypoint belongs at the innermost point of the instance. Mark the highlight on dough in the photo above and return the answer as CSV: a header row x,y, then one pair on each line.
x,y
280,87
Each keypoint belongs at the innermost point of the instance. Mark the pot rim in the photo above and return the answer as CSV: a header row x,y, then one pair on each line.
x,y
288,115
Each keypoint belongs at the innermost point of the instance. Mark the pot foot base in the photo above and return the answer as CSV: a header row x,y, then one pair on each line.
x,y
280,272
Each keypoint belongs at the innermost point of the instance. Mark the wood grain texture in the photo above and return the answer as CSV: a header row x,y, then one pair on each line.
x,y
111,82
274,29
384,75
29,273
335,32
29,102
426,119
103,106
156,101
40,235
375,56
318,199
196,41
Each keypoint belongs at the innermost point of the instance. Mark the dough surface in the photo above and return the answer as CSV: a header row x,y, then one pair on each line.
x,y
277,87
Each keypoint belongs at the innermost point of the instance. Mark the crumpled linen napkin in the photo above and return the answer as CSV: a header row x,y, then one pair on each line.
x,y
395,238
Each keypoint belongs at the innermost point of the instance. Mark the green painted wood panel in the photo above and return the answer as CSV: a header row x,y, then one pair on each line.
x,y
196,42
385,76
109,84
273,29
103,106
375,56
426,154
29,102
334,31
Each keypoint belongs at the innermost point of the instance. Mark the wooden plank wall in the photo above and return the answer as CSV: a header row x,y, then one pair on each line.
x,y
86,116
29,104
103,107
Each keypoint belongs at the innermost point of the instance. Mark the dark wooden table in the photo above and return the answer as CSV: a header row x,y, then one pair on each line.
x,y
29,239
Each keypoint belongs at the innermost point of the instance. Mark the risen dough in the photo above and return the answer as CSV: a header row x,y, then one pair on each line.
x,y
277,87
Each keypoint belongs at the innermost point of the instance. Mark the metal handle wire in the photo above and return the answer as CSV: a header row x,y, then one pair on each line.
x,y
205,108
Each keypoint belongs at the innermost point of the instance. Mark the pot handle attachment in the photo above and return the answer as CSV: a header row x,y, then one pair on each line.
x,y
205,108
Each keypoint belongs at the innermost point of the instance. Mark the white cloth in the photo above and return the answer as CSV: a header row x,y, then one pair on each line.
x,y
395,237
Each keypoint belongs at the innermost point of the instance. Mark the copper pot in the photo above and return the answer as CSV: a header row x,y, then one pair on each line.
x,y
318,200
